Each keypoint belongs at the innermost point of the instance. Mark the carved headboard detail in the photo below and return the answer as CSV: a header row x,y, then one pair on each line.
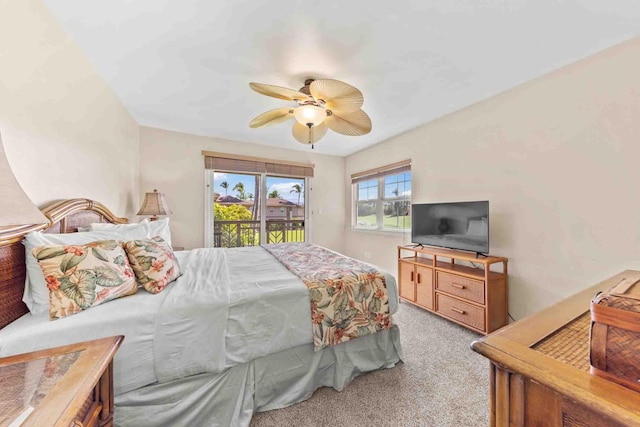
x,y
64,217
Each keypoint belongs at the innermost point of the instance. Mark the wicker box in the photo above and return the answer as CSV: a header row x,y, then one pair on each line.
x,y
614,347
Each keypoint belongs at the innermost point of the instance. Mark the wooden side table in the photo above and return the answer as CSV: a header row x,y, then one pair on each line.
x,y
63,386
540,371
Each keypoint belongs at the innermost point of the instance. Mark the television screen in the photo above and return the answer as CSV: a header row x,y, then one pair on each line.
x,y
460,225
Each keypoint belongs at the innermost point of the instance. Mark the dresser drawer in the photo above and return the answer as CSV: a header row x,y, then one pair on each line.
x,y
460,311
461,286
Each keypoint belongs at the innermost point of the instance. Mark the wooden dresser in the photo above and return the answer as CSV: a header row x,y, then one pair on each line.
x,y
540,371
472,297
62,386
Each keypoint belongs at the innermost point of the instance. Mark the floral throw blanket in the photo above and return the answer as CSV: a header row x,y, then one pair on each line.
x,y
348,298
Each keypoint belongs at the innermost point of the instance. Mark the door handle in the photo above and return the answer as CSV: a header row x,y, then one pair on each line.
x,y
418,277
412,276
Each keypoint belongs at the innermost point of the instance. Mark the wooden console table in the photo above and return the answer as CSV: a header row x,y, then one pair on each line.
x,y
540,371
475,298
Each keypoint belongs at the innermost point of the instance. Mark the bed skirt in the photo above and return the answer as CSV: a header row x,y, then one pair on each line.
x,y
275,381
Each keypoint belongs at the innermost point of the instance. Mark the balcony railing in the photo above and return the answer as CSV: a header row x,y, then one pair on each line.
x,y
235,234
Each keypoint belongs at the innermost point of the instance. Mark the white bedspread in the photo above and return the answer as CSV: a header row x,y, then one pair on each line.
x,y
229,307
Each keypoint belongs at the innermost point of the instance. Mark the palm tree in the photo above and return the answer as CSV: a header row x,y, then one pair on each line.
x,y
239,187
296,188
275,195
254,210
225,185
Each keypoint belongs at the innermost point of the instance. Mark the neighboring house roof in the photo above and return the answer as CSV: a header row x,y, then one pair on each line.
x,y
271,203
279,202
229,200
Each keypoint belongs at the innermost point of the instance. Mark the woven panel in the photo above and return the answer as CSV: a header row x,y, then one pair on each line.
x,y
12,275
620,302
12,382
80,219
569,344
256,166
623,353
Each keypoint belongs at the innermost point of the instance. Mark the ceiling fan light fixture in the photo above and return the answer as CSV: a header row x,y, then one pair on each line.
x,y
310,115
322,104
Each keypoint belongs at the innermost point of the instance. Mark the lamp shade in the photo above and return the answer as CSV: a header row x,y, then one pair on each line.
x,y
310,115
15,206
154,204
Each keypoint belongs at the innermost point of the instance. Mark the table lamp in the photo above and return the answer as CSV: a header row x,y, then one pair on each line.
x,y
15,206
154,204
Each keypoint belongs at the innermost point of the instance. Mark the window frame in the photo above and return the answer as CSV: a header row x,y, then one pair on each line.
x,y
209,180
380,201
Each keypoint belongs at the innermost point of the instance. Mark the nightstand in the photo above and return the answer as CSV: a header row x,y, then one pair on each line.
x,y
62,386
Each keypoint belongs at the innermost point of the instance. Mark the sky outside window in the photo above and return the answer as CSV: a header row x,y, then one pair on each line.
x,y
284,186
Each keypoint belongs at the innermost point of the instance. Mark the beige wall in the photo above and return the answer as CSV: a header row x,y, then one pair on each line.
x,y
558,159
172,162
65,133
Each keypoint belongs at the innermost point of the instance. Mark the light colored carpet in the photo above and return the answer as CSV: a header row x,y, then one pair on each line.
x,y
442,383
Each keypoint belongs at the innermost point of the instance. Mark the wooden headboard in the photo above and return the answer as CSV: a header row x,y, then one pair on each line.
x,y
64,217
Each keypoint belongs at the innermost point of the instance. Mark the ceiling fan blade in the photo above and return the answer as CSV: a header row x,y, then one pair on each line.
x,y
272,117
278,92
309,136
337,95
353,124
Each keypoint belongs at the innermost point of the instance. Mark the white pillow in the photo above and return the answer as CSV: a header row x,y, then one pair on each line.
x,y
100,226
159,228
36,294
153,228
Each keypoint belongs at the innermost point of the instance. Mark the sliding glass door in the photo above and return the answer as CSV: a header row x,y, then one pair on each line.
x,y
236,210
285,209
248,209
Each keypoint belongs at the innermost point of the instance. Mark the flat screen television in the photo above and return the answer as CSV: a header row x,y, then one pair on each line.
x,y
459,225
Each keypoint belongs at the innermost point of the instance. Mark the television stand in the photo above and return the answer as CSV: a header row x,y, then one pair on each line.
x,y
436,280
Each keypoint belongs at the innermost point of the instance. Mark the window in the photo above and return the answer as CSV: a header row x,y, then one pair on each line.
x,y
382,198
237,192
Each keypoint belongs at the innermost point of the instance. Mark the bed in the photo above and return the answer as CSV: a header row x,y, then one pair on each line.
x,y
231,337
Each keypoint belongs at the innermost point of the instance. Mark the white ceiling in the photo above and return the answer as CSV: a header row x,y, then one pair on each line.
x,y
185,65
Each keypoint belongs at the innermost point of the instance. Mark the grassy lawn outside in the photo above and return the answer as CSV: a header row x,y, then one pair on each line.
x,y
397,222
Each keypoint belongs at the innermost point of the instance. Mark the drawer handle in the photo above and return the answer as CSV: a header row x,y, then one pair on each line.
x,y
455,285
457,310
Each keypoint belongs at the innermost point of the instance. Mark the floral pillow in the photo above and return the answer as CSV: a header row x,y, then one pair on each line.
x,y
153,262
83,276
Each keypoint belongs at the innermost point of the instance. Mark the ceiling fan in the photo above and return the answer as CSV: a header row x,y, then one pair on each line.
x,y
322,104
